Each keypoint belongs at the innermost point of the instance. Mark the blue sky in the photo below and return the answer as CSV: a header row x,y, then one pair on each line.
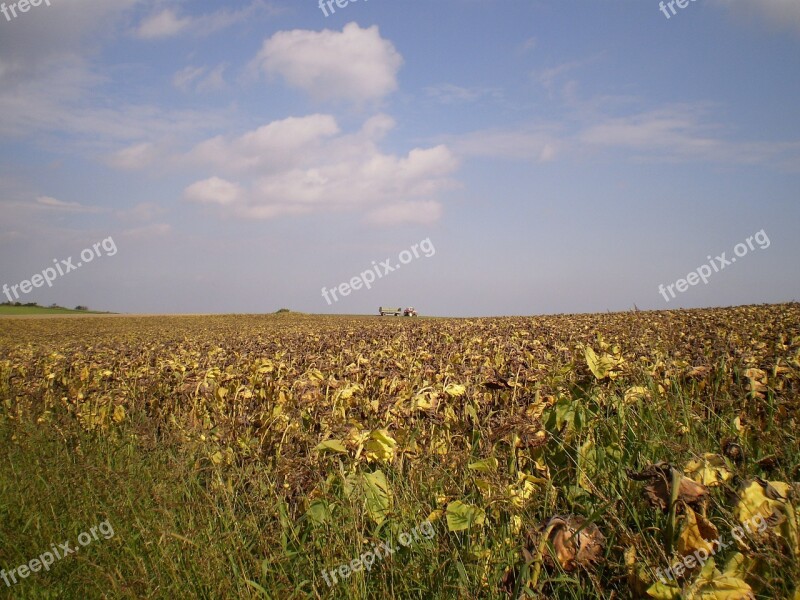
x,y
559,155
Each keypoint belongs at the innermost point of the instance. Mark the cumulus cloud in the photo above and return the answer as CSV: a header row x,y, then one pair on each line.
x,y
355,64
275,145
305,165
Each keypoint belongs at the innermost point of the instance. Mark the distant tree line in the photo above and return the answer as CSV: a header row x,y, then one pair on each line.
x,y
36,305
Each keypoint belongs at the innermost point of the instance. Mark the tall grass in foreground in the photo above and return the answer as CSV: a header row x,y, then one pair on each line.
x,y
187,528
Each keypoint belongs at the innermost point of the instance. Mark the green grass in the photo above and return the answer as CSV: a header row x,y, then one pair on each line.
x,y
10,311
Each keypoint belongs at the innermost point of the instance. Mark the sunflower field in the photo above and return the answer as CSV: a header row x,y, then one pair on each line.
x,y
628,455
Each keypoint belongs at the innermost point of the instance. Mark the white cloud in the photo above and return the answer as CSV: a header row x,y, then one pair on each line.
x,y
61,100
215,80
548,153
214,191
200,79
163,24
184,78
679,134
552,77
133,157
522,143
278,144
355,64
168,22
50,203
305,165
447,93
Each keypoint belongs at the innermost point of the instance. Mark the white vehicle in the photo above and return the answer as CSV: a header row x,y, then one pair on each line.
x,y
408,312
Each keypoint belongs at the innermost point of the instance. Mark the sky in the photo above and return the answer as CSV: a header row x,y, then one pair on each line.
x,y
465,157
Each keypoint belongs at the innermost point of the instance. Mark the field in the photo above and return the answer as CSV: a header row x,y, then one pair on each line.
x,y
295,456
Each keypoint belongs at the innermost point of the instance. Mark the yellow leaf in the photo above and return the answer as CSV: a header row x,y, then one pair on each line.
x,y
711,470
435,515
594,364
455,390
380,446
713,585
349,391
698,533
484,487
636,393
765,504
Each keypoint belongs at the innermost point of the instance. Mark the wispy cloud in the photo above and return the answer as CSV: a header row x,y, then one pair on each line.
x,y
50,203
448,93
779,14
169,22
148,231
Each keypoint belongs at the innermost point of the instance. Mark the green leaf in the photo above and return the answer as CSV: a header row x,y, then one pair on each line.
x,y
487,465
598,369
378,495
319,512
662,591
331,446
462,516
